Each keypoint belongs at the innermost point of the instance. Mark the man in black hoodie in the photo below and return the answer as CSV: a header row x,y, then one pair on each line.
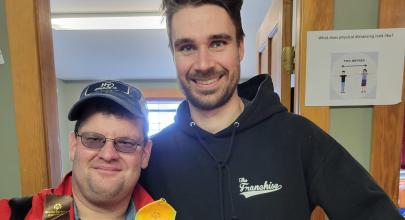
x,y
234,152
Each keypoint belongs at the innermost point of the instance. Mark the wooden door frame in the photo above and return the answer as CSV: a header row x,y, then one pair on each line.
x,y
309,13
388,120
267,30
312,15
35,94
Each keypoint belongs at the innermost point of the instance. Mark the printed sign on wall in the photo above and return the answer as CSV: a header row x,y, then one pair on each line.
x,y
355,67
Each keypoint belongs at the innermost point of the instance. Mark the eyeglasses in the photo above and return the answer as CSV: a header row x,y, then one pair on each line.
x,y
95,140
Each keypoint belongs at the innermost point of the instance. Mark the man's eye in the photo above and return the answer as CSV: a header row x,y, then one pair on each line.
x,y
124,143
94,139
218,44
186,49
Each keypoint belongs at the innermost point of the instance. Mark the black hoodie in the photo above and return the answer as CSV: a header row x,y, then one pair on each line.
x,y
269,164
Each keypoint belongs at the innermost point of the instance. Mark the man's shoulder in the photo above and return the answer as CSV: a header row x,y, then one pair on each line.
x,y
166,133
290,120
15,208
295,126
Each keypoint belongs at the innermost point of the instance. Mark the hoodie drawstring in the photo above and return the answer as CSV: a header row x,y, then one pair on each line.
x,y
220,166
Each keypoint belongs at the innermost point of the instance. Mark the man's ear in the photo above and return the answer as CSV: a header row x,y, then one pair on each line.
x,y
72,145
146,151
241,49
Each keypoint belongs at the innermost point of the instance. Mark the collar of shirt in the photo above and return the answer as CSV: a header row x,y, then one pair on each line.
x,y
129,214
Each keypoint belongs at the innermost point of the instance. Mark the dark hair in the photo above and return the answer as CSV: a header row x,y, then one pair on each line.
x,y
110,108
232,7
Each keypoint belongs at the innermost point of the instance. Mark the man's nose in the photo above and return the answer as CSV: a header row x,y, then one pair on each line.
x,y
204,60
108,151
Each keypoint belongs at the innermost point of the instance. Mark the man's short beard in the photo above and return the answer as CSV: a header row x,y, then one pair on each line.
x,y
206,104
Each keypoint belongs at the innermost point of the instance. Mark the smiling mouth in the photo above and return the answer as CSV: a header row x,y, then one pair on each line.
x,y
207,82
107,169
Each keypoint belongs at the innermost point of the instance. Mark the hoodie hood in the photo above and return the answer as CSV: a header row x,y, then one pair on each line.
x,y
263,103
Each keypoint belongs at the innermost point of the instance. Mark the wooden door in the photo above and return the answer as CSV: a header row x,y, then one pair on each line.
x,y
388,120
34,89
274,39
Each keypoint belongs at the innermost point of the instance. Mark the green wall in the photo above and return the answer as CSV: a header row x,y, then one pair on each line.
x,y
351,126
64,125
9,160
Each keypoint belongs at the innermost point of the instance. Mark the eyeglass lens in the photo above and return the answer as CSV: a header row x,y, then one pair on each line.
x,y
97,141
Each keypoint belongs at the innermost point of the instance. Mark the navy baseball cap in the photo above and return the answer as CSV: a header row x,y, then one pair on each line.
x,y
126,96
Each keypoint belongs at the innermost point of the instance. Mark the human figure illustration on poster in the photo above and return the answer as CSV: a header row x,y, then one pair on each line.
x,y
342,81
364,81
353,75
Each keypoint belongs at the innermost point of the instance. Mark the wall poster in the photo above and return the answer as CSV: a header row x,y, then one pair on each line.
x,y
355,67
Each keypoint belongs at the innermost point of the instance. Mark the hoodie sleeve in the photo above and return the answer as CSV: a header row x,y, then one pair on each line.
x,y
340,185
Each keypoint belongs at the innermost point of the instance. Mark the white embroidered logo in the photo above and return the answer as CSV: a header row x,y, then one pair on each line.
x,y
107,85
248,190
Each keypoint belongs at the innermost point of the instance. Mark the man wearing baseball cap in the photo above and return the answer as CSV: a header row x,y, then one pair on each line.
x,y
109,146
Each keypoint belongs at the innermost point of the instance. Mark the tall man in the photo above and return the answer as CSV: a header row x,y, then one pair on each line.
x,y
108,147
234,152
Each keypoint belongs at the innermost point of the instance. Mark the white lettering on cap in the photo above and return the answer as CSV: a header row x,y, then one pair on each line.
x,y
107,85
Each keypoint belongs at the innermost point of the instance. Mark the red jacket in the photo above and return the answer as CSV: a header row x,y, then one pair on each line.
x,y
140,198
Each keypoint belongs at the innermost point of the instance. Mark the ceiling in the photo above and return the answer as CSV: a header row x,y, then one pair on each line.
x,y
131,54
